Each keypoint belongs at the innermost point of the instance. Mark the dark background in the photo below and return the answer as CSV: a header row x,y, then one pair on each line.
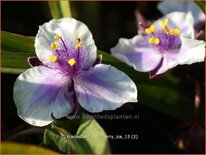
x,y
108,21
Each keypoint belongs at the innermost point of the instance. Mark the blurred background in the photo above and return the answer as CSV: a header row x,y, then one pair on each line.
x,y
108,21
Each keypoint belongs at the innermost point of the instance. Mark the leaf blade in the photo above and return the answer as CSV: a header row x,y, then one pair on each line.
x,y
95,138
60,139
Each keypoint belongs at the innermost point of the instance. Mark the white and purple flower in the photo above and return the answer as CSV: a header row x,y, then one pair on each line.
x,y
68,75
168,42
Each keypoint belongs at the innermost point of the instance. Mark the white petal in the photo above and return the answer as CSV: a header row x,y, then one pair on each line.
x,y
39,92
137,54
180,20
192,51
168,7
68,28
104,88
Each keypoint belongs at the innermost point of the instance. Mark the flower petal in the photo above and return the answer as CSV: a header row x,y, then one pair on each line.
x,y
191,51
137,54
68,28
104,88
168,7
39,92
180,20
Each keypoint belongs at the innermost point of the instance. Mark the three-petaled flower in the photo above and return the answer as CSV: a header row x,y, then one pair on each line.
x,y
68,76
166,43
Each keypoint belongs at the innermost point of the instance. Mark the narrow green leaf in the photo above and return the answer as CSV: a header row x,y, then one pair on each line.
x,y
94,139
15,148
60,9
17,43
15,60
169,101
15,51
12,70
201,5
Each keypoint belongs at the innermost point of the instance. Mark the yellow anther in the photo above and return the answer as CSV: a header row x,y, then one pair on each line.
x,y
57,37
77,39
72,62
164,23
79,45
174,31
157,41
151,40
54,46
166,30
154,41
150,29
53,58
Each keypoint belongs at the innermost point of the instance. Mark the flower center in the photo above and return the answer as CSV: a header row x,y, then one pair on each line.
x,y
67,55
164,39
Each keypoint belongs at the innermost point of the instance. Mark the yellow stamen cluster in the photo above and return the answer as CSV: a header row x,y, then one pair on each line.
x,y
54,46
79,45
53,58
72,62
164,25
57,37
174,31
150,29
154,41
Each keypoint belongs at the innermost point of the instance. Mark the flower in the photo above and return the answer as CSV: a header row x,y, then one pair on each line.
x,y
167,43
68,73
168,7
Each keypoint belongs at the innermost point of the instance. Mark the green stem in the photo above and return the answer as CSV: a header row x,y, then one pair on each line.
x,y
60,9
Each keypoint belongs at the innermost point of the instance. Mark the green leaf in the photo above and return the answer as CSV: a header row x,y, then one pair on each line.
x,y
60,9
95,139
17,43
201,5
58,138
89,137
15,148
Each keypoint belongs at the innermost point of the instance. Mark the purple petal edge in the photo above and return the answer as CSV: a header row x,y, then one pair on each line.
x,y
152,74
